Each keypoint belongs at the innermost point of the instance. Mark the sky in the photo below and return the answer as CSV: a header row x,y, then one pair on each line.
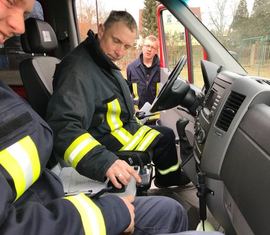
x,y
208,3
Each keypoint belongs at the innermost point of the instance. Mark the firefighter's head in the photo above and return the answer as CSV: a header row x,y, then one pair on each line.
x,y
12,13
117,34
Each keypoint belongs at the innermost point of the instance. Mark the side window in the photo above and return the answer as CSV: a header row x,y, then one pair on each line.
x,y
196,57
175,41
178,41
86,17
11,53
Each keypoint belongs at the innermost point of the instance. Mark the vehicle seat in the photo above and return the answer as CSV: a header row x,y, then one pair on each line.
x,y
37,72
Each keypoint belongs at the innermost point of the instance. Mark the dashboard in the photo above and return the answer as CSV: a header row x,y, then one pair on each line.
x,y
231,146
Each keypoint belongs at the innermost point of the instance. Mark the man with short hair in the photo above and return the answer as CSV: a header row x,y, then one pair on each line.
x,y
144,73
32,199
92,113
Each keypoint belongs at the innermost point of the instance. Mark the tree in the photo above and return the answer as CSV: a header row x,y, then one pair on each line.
x,y
239,27
87,16
219,17
260,18
257,5
149,19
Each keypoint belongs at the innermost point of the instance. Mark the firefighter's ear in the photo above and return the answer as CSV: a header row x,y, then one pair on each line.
x,y
101,31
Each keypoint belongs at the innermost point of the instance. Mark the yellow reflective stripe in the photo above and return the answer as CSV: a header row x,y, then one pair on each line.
x,y
137,138
115,123
91,216
157,88
135,91
21,161
15,171
147,140
113,115
170,169
138,121
79,148
154,117
136,108
122,135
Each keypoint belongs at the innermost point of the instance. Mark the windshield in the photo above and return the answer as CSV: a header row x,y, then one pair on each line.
x,y
242,26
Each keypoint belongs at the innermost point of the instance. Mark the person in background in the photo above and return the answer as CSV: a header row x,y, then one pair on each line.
x,y
37,12
144,73
32,199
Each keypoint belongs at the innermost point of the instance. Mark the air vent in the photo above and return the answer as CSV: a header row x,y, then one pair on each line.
x,y
229,110
263,81
267,81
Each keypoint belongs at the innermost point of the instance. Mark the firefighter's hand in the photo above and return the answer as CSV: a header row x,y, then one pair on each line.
x,y
122,172
128,200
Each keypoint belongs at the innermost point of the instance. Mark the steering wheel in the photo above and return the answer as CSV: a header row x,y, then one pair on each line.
x,y
167,87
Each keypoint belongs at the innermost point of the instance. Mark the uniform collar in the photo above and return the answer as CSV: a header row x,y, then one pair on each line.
x,y
96,52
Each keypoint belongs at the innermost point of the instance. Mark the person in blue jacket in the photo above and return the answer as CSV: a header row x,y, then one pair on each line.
x,y
143,74
32,200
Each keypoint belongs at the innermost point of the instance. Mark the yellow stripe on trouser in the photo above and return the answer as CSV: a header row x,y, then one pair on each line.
x,y
91,216
21,161
137,138
79,148
170,169
147,140
115,123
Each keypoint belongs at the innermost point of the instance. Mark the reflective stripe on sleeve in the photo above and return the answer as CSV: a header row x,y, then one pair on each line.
x,y
79,148
115,123
91,216
135,91
21,161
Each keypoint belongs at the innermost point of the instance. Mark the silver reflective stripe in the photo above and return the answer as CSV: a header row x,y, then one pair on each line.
x,y
21,161
91,216
22,158
79,148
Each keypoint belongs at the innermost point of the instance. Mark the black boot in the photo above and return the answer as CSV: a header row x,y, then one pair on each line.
x,y
176,178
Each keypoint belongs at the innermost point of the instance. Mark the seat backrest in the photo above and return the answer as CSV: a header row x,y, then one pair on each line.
x,y
37,72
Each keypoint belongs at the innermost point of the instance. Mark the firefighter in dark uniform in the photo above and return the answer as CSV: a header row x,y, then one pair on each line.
x,y
92,115
144,73
32,200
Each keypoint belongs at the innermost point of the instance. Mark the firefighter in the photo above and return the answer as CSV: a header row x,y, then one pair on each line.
x,y
92,115
32,199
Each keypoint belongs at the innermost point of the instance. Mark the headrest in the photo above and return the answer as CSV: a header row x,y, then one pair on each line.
x,y
39,37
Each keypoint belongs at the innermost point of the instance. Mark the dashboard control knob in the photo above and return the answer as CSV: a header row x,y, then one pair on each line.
x,y
201,136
